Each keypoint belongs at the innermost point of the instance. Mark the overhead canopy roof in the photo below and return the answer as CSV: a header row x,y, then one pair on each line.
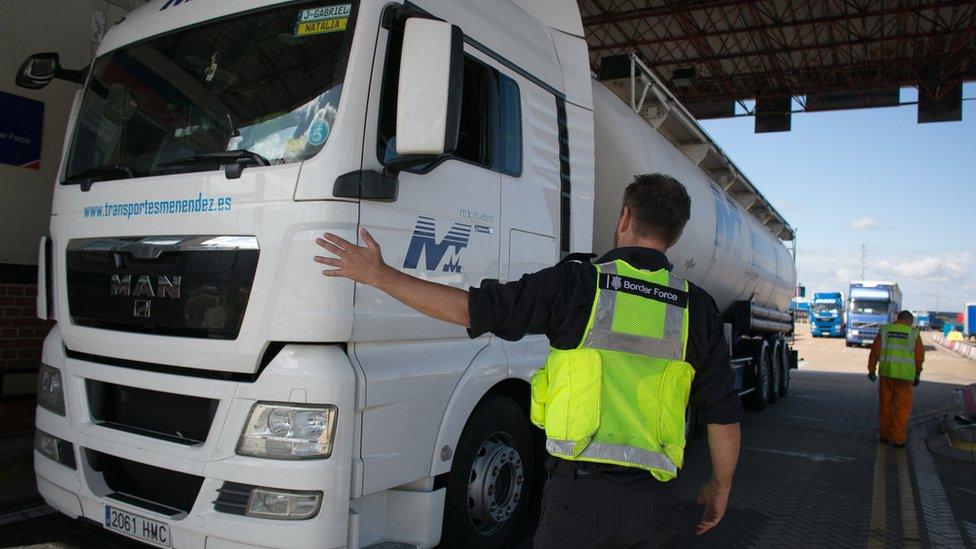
x,y
829,54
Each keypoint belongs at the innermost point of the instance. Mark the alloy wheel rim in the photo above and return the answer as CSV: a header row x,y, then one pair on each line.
x,y
495,483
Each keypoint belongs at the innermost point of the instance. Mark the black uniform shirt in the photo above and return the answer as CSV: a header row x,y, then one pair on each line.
x,y
557,301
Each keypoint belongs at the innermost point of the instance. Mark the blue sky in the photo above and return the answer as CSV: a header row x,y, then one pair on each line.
x,y
907,190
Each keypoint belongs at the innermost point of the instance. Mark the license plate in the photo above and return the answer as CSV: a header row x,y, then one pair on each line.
x,y
138,527
869,342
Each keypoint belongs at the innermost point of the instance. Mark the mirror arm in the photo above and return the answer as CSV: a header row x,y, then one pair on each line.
x,y
366,185
76,76
398,164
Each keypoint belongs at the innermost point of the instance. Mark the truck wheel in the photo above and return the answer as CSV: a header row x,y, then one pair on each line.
x,y
759,397
491,482
784,384
776,369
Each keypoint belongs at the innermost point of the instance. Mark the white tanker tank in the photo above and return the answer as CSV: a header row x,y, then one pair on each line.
x,y
724,248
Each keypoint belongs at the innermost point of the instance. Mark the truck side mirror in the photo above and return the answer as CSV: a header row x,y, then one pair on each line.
x,y
39,69
429,92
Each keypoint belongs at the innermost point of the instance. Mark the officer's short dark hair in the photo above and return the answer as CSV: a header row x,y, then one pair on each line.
x,y
660,206
906,316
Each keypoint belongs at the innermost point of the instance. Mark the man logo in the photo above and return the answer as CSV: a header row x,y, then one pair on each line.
x,y
424,243
142,308
615,283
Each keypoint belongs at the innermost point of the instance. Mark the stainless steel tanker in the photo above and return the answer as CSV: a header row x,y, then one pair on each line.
x,y
724,248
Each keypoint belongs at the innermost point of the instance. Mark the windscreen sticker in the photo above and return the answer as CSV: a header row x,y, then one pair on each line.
x,y
318,133
323,20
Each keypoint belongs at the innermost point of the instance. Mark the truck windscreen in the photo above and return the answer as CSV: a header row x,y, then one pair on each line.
x,y
826,309
267,82
869,307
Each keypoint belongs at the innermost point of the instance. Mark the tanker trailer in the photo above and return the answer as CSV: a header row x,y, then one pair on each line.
x,y
725,248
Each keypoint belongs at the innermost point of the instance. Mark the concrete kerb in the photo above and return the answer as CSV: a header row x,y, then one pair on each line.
x,y
940,523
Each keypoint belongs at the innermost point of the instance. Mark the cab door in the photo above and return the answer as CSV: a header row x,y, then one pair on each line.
x,y
442,226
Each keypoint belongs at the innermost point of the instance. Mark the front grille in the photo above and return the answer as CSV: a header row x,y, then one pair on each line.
x,y
233,498
187,286
153,488
174,418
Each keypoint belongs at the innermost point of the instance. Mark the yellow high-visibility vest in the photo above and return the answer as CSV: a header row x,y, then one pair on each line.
x,y
897,358
620,396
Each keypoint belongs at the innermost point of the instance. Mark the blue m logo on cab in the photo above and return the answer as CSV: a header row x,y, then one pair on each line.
x,y
447,251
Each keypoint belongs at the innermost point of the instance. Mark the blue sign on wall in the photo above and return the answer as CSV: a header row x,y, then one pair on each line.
x,y
21,125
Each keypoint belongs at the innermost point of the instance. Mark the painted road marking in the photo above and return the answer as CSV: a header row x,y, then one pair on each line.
x,y
822,419
939,520
878,509
909,521
820,457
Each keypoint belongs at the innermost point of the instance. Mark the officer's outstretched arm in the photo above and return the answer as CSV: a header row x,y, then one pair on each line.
x,y
723,447
364,264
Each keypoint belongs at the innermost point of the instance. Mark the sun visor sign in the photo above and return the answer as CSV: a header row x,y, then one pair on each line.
x,y
323,20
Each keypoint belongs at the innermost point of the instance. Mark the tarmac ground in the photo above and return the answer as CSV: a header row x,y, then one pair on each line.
x,y
811,472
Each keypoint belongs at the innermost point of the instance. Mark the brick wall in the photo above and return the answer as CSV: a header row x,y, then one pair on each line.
x,y
21,337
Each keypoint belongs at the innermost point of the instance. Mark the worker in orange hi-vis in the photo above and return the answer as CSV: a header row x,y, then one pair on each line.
x,y
896,355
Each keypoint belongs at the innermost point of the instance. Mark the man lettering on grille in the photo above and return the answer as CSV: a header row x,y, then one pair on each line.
x,y
631,344
897,355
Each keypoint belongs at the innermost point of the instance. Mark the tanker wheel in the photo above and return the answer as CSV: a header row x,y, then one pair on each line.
x,y
759,397
491,482
784,384
776,369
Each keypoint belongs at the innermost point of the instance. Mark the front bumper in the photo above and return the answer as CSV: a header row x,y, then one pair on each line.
x,y
861,337
299,373
826,329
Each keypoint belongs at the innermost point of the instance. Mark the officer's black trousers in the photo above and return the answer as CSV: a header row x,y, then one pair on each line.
x,y
610,510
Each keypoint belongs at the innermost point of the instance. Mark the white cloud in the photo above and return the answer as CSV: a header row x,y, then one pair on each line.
x,y
929,280
864,223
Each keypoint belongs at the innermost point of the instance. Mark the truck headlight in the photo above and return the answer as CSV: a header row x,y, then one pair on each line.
x,y
54,448
283,504
853,332
288,431
50,389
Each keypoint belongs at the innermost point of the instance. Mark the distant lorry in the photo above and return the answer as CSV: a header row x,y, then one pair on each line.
x,y
922,320
800,307
827,315
205,385
969,320
938,319
870,305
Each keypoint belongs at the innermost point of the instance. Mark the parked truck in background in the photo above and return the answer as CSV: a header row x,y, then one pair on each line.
x,y
922,320
800,308
969,320
870,305
938,319
205,386
827,315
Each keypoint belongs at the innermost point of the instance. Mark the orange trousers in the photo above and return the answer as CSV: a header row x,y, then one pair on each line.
x,y
894,408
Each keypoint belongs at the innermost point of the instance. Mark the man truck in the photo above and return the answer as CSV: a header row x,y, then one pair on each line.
x,y
206,386
827,315
870,305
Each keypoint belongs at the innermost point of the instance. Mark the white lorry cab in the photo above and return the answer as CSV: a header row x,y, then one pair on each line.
x,y
206,386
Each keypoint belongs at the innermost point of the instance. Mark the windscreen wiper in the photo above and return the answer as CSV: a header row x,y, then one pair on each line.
x,y
107,172
231,160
